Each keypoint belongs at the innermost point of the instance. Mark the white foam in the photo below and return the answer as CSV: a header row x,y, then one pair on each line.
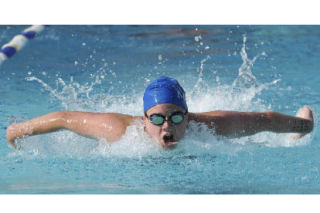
x,y
242,95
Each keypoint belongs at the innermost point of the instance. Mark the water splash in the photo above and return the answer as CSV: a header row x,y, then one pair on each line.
x,y
201,85
241,95
246,78
73,95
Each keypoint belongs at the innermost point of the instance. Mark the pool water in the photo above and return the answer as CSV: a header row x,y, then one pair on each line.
x,y
106,69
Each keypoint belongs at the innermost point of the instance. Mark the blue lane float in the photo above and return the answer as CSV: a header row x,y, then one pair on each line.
x,y
18,42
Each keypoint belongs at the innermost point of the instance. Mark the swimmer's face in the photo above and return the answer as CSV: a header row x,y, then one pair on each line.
x,y
169,133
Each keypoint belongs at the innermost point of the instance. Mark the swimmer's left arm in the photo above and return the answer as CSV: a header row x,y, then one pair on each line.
x,y
235,124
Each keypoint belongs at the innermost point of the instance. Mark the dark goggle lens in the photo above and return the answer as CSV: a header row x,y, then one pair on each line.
x,y
177,118
156,119
159,119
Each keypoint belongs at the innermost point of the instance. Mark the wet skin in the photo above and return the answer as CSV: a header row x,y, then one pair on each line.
x,y
112,126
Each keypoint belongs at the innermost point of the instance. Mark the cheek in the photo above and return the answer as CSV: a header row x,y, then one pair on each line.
x,y
182,128
152,130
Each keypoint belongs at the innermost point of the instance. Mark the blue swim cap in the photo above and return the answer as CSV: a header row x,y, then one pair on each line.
x,y
164,90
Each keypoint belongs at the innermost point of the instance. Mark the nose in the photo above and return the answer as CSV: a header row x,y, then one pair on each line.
x,y
167,124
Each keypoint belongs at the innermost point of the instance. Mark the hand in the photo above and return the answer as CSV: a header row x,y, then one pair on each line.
x,y
306,113
11,135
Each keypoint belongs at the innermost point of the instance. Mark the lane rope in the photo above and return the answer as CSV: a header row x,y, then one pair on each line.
x,y
19,41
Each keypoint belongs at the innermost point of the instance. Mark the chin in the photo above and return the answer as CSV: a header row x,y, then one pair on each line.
x,y
169,145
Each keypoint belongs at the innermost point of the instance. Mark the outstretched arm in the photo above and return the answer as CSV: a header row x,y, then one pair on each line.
x,y
236,124
110,126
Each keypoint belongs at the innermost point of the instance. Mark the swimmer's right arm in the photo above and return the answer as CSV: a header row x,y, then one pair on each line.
x,y
110,126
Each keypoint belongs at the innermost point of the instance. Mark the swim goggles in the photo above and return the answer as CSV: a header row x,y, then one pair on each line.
x,y
158,119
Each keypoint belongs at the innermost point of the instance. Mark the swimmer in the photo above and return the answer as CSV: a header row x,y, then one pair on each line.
x,y
165,119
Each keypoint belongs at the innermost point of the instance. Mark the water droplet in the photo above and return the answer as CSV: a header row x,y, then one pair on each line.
x,y
197,38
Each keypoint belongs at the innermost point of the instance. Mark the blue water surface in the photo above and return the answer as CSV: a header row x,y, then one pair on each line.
x,y
106,69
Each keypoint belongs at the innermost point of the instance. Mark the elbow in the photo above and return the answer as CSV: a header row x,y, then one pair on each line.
x,y
60,118
269,121
66,119
268,116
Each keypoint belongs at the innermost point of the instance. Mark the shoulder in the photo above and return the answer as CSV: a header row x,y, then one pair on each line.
x,y
116,124
111,126
212,119
124,118
205,116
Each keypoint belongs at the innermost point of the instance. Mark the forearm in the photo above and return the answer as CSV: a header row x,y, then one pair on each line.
x,y
46,123
277,122
252,123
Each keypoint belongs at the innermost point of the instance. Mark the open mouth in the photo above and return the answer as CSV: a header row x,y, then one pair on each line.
x,y
169,140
